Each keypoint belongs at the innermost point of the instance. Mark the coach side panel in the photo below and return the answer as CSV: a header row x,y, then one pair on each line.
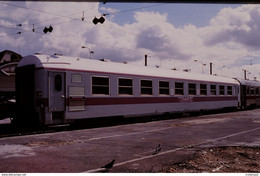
x,y
98,94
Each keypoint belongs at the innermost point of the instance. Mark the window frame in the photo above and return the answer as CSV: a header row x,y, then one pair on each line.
x,y
58,82
213,91
191,90
144,88
164,88
221,91
125,86
179,90
252,91
203,89
107,93
231,90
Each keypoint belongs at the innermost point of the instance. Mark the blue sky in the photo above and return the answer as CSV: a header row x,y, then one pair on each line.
x,y
172,34
179,14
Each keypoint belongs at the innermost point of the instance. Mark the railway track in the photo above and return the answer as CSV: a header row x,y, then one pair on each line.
x,y
8,130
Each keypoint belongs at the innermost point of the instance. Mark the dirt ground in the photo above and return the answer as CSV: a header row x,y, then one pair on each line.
x,y
221,159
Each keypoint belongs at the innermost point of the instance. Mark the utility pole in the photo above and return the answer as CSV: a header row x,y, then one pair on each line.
x,y
145,60
210,68
202,64
244,74
90,51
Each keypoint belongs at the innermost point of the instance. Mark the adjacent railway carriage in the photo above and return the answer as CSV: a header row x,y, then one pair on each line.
x,y
58,89
250,93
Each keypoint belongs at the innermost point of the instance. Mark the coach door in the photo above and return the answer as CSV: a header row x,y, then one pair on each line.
x,y
57,96
243,96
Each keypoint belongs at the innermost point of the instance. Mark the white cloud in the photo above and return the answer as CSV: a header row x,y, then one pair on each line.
x,y
150,18
231,37
239,25
109,10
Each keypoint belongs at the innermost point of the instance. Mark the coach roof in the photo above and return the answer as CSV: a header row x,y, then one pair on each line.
x,y
248,82
80,64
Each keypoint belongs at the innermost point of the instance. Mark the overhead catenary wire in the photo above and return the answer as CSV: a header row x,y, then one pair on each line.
x,y
64,37
19,31
35,10
74,39
8,35
68,16
79,12
46,12
35,28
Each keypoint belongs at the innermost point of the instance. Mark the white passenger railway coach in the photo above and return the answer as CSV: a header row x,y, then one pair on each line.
x,y
57,89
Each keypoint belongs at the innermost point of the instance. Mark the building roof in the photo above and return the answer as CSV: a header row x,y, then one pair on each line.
x,y
12,53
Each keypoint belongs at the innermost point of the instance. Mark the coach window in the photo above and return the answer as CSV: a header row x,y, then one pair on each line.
x,y
252,90
257,91
203,89
179,88
146,87
192,89
221,90
164,88
229,90
125,86
213,90
58,82
247,90
100,85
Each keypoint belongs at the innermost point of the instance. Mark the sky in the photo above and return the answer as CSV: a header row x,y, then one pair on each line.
x,y
173,35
